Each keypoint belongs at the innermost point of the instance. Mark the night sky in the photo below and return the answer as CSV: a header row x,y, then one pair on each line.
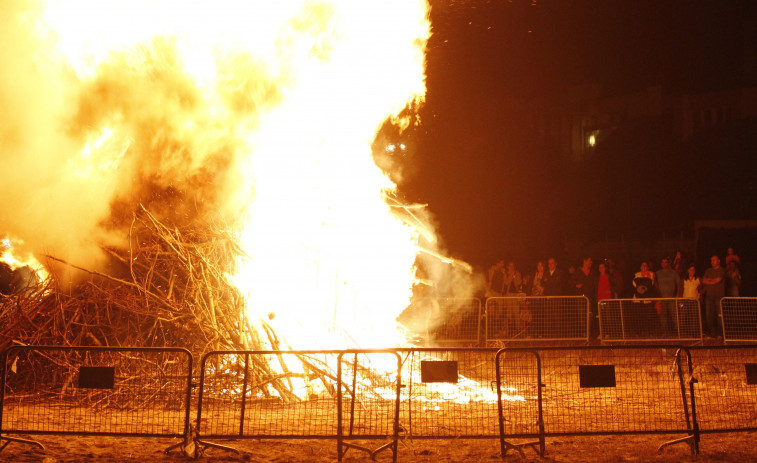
x,y
495,194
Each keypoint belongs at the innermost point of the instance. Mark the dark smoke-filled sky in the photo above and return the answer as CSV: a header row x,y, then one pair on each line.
x,y
495,195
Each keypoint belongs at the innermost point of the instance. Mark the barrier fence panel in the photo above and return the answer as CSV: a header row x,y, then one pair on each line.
x,y
267,394
618,390
449,393
368,400
460,321
739,317
95,391
674,319
295,395
553,318
519,399
725,390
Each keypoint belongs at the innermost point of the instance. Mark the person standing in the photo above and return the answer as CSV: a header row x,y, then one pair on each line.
x,y
554,286
554,279
495,288
691,283
584,282
513,287
714,289
668,283
733,278
605,284
495,284
537,284
643,282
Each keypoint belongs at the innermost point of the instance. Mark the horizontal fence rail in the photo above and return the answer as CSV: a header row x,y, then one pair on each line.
x,y
537,318
666,319
109,391
739,317
725,390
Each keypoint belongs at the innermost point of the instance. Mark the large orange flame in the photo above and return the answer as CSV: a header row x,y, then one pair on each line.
x,y
283,97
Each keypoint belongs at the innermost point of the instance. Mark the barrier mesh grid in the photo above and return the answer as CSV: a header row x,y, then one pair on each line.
x,y
537,318
725,390
739,319
618,390
461,320
89,391
449,393
369,383
650,320
267,394
519,378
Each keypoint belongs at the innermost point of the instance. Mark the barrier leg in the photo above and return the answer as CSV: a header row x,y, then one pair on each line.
x,y
19,441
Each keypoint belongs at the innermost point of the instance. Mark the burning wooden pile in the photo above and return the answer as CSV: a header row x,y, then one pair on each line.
x,y
170,287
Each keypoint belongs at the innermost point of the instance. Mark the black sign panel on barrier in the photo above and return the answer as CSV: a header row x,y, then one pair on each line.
x,y
439,371
751,373
96,377
596,375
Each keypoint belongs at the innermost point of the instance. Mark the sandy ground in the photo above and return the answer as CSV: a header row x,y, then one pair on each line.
x,y
733,447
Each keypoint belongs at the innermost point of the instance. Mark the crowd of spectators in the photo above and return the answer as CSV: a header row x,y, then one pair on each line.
x,y
674,278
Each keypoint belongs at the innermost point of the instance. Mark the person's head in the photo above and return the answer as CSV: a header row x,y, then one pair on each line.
x,y
692,271
552,263
665,263
715,261
540,266
730,251
679,255
511,267
644,266
602,267
610,263
500,263
587,262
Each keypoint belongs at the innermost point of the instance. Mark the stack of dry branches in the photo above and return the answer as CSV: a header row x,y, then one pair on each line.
x,y
168,288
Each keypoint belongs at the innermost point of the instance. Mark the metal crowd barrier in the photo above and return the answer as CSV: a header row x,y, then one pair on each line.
x,y
542,318
342,395
726,388
600,390
519,400
105,391
739,317
520,396
666,319
460,321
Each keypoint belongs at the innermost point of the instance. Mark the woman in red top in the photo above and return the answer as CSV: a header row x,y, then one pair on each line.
x,y
605,286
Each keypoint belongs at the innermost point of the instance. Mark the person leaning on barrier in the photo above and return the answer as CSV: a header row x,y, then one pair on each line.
x,y
714,290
